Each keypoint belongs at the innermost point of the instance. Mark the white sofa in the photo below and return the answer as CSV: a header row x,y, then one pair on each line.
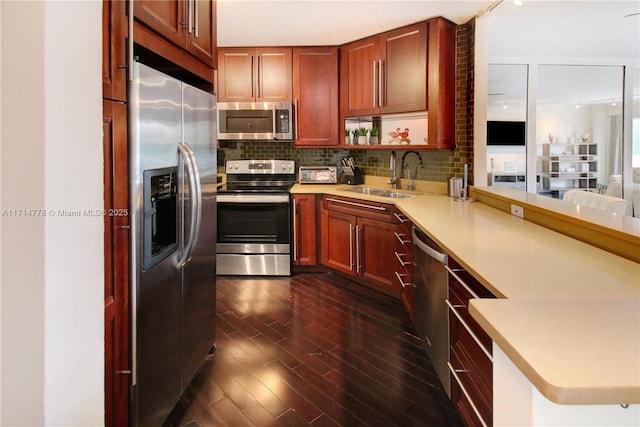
x,y
596,201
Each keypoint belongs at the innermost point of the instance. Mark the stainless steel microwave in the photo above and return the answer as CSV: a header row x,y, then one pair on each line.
x,y
255,120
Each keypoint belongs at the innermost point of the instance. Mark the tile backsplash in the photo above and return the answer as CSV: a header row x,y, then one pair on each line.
x,y
438,165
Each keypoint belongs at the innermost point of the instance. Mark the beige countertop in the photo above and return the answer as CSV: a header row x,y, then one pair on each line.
x,y
537,272
573,352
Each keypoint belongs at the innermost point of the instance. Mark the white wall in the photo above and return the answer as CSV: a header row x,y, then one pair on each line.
x,y
52,357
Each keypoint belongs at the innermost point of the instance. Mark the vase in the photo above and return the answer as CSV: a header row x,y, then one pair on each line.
x,y
347,140
373,140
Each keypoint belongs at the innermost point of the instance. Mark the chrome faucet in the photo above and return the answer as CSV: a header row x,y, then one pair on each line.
x,y
392,167
408,173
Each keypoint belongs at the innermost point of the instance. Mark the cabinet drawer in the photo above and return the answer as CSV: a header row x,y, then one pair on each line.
x,y
473,400
459,299
361,208
474,360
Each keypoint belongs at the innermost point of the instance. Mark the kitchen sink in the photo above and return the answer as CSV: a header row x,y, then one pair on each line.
x,y
379,192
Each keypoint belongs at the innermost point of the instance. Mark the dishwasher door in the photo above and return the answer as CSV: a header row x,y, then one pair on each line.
x,y
431,315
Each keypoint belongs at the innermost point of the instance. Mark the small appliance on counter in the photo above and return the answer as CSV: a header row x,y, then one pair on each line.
x,y
351,174
317,175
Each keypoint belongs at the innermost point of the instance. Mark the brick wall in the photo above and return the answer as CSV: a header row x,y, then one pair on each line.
x,y
438,165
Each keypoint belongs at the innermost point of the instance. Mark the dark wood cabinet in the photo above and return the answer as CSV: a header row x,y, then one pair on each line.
x,y
304,230
441,84
117,379
255,74
179,31
358,239
403,261
315,94
410,69
386,73
359,74
114,53
116,257
405,70
470,351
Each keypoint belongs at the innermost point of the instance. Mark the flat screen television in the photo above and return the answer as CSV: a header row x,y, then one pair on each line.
x,y
505,133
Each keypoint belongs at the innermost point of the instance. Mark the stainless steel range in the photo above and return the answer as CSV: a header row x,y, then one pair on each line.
x,y
254,218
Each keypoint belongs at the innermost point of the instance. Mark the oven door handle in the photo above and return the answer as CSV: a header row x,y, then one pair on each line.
x,y
252,198
195,193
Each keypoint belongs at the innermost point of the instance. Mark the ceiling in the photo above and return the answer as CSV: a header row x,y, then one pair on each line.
x,y
540,29
594,29
323,22
568,29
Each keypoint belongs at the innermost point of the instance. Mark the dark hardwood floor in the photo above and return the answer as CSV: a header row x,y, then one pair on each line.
x,y
309,350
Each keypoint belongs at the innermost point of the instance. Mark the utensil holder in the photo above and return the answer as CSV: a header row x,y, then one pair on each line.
x,y
351,176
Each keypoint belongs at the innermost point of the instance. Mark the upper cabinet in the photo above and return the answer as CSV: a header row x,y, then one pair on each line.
x,y
255,75
315,93
187,29
410,69
386,73
114,52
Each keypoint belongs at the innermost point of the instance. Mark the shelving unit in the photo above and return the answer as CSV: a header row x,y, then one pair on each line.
x,y
568,166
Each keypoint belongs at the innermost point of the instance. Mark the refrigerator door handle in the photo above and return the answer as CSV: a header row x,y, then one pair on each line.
x,y
195,191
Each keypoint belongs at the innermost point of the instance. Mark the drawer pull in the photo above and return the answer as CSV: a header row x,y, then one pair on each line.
x,y
400,238
360,205
404,285
475,338
400,217
402,263
455,372
464,285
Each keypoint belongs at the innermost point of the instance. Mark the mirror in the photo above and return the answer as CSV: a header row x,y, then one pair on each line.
x,y
579,129
506,118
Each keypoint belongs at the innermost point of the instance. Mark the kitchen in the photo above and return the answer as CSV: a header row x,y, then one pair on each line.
x,y
48,302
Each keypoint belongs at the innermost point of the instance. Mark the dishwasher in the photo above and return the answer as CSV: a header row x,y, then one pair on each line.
x,y
431,315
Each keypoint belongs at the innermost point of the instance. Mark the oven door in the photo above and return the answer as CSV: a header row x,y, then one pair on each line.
x,y
254,234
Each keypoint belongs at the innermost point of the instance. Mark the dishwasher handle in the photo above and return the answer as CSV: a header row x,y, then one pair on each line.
x,y
426,248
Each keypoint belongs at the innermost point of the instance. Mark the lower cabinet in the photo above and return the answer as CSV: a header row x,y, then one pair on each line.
x,y
304,230
359,239
470,353
403,261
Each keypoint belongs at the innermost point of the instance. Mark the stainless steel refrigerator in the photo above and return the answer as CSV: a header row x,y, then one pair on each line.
x,y
173,190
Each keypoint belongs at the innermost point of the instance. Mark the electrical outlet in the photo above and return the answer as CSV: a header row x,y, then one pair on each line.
x,y
517,211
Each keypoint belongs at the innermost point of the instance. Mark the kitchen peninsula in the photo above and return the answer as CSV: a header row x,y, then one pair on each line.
x,y
550,289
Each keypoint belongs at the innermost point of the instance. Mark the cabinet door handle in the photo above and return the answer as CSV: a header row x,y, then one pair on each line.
x,y
402,283
402,263
380,83
455,373
373,85
350,246
295,230
358,264
253,79
400,217
259,80
195,19
295,116
360,205
189,16
400,238
464,324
